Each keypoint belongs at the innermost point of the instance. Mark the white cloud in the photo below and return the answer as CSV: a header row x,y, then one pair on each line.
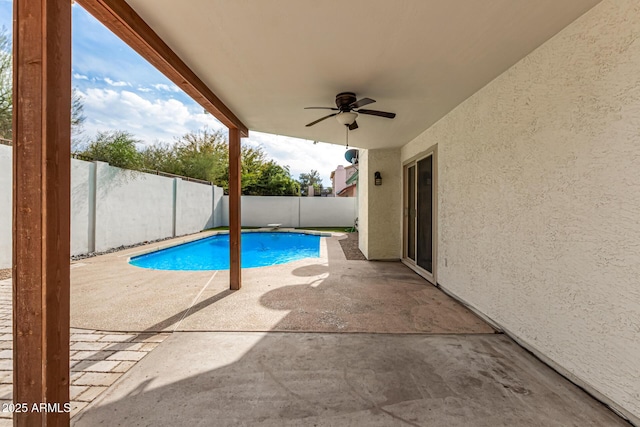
x,y
78,76
166,119
149,120
116,83
144,89
167,88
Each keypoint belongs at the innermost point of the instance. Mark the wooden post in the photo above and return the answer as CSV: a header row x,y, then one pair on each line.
x,y
41,196
235,187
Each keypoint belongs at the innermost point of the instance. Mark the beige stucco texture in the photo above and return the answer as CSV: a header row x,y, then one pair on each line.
x,y
379,205
539,200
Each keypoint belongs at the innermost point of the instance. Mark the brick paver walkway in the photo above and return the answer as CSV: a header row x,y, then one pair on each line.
x,y
98,358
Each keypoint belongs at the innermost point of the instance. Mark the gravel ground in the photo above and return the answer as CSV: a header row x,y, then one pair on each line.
x,y
350,247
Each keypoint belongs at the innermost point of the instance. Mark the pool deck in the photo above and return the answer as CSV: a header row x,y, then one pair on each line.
x,y
325,294
325,342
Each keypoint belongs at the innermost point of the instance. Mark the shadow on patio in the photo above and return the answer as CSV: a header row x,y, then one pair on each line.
x,y
233,378
230,361
327,294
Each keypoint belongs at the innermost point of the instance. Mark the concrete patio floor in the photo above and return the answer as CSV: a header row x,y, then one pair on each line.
x,y
302,379
314,342
326,294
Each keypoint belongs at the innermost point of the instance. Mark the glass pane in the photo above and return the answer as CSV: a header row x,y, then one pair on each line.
x,y
411,205
425,214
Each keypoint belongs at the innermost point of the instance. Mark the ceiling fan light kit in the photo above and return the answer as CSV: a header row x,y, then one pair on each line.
x,y
346,118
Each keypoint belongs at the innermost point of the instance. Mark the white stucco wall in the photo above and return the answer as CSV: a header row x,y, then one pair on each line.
x,y
380,206
363,202
111,207
6,215
80,198
539,201
194,207
258,211
82,176
327,211
131,207
218,206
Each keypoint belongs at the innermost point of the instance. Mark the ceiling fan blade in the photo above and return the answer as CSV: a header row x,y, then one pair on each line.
x,y
377,113
321,119
322,108
362,103
353,126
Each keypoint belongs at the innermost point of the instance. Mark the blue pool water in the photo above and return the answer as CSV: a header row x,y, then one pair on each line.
x,y
212,253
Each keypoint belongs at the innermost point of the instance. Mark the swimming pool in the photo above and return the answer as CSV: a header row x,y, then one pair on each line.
x,y
212,253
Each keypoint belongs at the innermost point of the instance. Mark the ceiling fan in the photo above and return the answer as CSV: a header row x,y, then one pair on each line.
x,y
348,109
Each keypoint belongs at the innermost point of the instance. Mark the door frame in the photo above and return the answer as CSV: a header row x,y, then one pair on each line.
x,y
413,161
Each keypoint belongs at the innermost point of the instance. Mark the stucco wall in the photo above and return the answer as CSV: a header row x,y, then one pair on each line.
x,y
131,207
380,206
6,194
539,201
82,186
258,211
218,206
80,175
363,202
194,207
111,207
327,211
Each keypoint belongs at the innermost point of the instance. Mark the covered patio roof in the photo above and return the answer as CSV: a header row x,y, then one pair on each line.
x,y
419,59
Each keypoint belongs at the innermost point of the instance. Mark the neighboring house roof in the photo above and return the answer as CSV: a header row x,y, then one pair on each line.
x,y
346,190
353,178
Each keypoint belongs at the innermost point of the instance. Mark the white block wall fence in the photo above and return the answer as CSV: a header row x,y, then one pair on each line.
x,y
111,207
6,194
257,211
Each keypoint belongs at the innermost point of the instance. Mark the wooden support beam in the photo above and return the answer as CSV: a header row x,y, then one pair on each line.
x,y
235,187
41,199
124,22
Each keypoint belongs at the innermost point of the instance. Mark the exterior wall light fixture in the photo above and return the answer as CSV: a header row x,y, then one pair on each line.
x,y
377,178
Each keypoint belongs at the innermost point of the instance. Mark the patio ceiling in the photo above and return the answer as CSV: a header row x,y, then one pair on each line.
x,y
267,60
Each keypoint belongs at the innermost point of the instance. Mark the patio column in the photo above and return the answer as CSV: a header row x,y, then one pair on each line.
x,y
41,198
235,187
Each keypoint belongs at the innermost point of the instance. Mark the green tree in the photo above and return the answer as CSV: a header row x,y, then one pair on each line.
x,y
118,148
160,156
6,85
273,180
205,155
77,112
202,155
311,178
6,93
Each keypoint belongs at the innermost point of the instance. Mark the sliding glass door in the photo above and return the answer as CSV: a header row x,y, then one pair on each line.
x,y
411,196
419,215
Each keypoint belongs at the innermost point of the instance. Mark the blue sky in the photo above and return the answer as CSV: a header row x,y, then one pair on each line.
x,y
121,90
